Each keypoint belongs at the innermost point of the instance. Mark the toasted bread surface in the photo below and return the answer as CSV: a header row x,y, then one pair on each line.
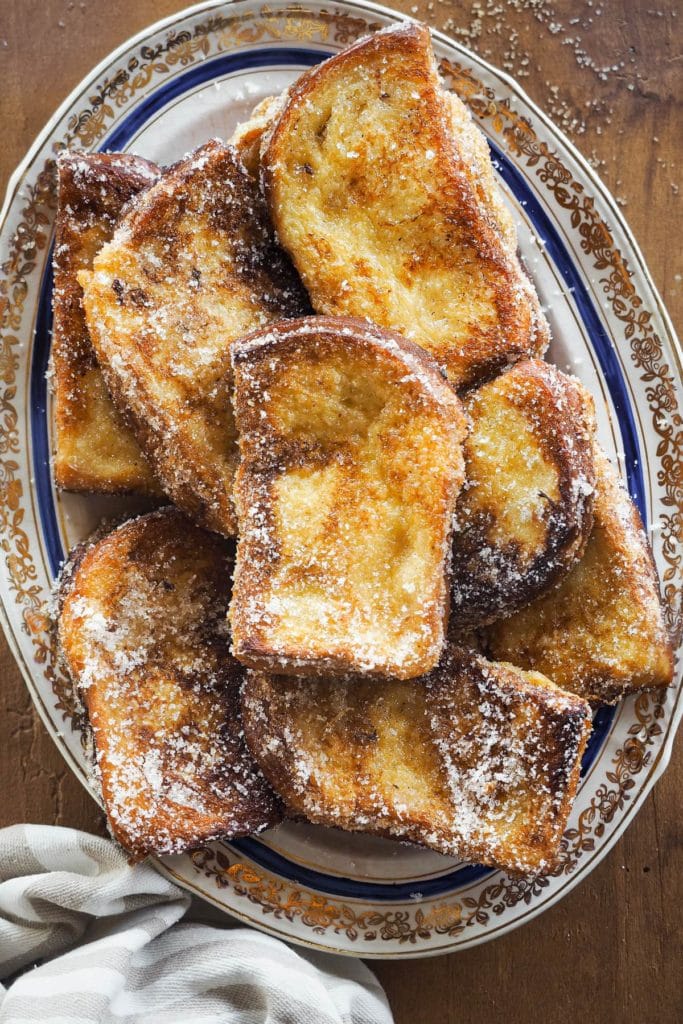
x,y
526,511
601,632
248,136
476,162
477,760
142,632
381,202
192,266
351,462
94,449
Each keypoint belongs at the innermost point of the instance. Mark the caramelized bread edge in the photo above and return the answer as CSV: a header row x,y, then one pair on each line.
x,y
523,323
250,493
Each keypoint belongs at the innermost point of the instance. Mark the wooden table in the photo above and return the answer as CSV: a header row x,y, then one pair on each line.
x,y
611,951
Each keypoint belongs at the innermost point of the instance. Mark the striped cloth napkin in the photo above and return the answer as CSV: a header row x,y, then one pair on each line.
x,y
85,938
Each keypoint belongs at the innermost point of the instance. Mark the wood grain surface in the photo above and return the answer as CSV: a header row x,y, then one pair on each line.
x,y
608,72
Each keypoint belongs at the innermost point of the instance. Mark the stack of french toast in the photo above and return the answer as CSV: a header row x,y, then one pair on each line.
x,y
396,568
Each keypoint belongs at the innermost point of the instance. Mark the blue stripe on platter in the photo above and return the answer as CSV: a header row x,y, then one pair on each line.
x,y
278,57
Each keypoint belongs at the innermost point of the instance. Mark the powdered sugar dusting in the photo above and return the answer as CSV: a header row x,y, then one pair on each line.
x,y
351,462
525,513
386,216
477,760
143,633
94,450
600,632
192,266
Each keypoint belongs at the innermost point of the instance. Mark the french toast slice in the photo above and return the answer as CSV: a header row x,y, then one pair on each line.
x,y
476,760
94,449
478,167
192,266
601,632
351,463
248,139
142,632
248,136
376,191
525,513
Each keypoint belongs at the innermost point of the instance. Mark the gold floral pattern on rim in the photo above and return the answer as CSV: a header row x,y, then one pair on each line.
x,y
293,24
31,238
319,912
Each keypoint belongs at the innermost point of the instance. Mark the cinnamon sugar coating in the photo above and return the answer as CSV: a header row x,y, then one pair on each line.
x,y
526,511
142,632
476,760
94,448
351,462
192,266
601,631
382,192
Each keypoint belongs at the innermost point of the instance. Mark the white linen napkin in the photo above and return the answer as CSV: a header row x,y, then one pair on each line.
x,y
87,939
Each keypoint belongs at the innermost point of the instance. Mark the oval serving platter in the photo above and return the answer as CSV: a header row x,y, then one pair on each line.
x,y
194,76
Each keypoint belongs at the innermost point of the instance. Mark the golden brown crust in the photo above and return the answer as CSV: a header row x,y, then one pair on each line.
x,y
477,760
526,512
375,198
142,632
601,632
351,462
94,449
192,266
479,169
248,136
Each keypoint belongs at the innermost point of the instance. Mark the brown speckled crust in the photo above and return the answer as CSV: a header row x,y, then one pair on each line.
x,y
477,760
525,514
142,632
248,136
94,449
192,266
382,204
351,462
601,632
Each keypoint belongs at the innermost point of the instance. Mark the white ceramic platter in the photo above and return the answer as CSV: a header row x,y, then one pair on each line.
x,y
194,76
